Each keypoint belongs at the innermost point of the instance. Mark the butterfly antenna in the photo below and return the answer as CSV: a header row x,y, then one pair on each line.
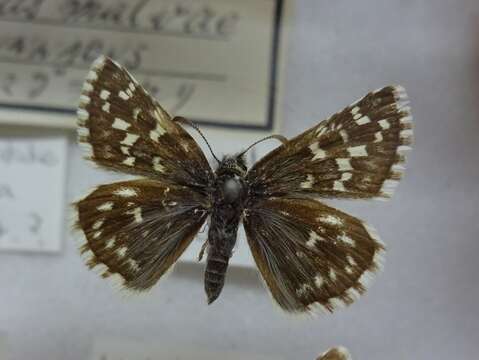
x,y
280,138
183,120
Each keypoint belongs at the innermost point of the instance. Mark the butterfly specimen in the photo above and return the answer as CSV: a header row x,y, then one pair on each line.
x,y
311,256
337,353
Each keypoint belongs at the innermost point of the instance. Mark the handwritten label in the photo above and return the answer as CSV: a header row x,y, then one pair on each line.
x,y
122,349
214,61
32,176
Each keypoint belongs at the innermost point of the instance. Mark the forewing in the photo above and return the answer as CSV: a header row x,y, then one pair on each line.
x,y
357,153
137,229
125,129
311,256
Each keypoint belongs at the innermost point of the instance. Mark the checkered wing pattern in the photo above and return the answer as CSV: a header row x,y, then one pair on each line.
x,y
356,153
134,231
123,128
311,256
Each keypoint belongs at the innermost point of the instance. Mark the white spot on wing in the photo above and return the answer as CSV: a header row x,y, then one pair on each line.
x,y
99,63
125,192
136,212
157,133
304,289
344,136
82,114
402,149
318,281
384,124
104,94
110,243
332,274
353,294
330,219
308,184
136,112
350,260
378,137
408,133
321,130
363,121
338,186
358,151
406,119
92,75
336,303
121,252
133,265
82,131
120,124
317,151
313,239
125,150
157,164
346,239
98,224
378,258
106,107
130,139
366,278
84,100
87,148
87,87
123,95
129,161
344,164
107,206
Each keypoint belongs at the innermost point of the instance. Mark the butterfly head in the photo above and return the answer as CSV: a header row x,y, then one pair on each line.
x,y
235,165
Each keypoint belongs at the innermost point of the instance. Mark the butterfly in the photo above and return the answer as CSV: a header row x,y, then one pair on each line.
x,y
310,255
336,353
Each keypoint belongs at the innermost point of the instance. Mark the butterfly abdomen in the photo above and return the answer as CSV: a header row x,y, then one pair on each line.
x,y
221,241
216,266
228,201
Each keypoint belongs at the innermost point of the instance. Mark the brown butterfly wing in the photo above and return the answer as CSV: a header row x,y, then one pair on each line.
x,y
136,230
311,256
123,128
356,153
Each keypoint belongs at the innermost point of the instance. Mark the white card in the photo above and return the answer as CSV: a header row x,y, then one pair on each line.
x,y
32,187
217,62
122,349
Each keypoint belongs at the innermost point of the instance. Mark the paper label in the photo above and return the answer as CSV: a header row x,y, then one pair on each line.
x,y
32,187
214,61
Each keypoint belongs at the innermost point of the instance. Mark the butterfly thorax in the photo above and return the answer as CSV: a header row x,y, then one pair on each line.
x,y
229,195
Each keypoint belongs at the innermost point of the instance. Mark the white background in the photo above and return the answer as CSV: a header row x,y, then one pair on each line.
x,y
424,306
